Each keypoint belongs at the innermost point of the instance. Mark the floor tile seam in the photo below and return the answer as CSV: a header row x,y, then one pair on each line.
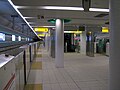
x,y
68,82
53,84
63,77
43,76
73,79
53,74
59,86
58,80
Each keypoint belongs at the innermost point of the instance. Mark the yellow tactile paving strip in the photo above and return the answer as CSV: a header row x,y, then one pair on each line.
x,y
36,66
38,55
33,87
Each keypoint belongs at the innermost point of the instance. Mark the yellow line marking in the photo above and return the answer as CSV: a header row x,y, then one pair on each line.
x,y
38,55
36,65
33,87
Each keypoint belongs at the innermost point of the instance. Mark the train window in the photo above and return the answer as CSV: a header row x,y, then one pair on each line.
x,y
13,37
8,37
19,38
2,37
28,39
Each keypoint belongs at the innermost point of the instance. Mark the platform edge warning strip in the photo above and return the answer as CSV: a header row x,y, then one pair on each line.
x,y
33,87
36,66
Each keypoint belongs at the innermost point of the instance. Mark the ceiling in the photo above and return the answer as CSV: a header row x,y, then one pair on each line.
x,y
12,23
34,14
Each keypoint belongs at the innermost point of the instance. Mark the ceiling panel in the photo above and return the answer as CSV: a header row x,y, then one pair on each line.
x,y
48,2
58,13
78,3
76,17
100,3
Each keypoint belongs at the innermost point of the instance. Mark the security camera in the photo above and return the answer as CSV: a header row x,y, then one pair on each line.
x,y
40,17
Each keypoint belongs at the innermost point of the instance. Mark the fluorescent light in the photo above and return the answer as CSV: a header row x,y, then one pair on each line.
x,y
22,7
51,7
63,8
19,38
21,16
29,17
77,32
2,37
99,10
13,37
46,26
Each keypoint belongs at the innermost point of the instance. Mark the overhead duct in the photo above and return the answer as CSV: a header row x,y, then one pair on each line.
x,y
86,4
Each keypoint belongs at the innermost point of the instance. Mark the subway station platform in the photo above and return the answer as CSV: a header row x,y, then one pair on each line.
x,y
80,72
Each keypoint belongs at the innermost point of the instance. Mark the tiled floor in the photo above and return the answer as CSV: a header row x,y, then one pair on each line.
x,y
33,87
80,72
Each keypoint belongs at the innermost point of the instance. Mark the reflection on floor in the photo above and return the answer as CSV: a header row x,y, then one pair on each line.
x,y
80,73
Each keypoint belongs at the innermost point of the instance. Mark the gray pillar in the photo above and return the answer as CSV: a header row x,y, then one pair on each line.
x,y
52,34
46,41
50,43
59,44
83,43
114,62
90,41
72,39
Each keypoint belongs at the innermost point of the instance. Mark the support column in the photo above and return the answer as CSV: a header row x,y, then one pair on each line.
x,y
45,41
114,62
59,44
52,34
83,43
90,40
72,39
50,42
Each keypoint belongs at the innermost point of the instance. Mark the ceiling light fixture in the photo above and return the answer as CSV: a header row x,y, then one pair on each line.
x,y
98,10
77,32
23,7
29,17
46,26
51,7
63,8
11,3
